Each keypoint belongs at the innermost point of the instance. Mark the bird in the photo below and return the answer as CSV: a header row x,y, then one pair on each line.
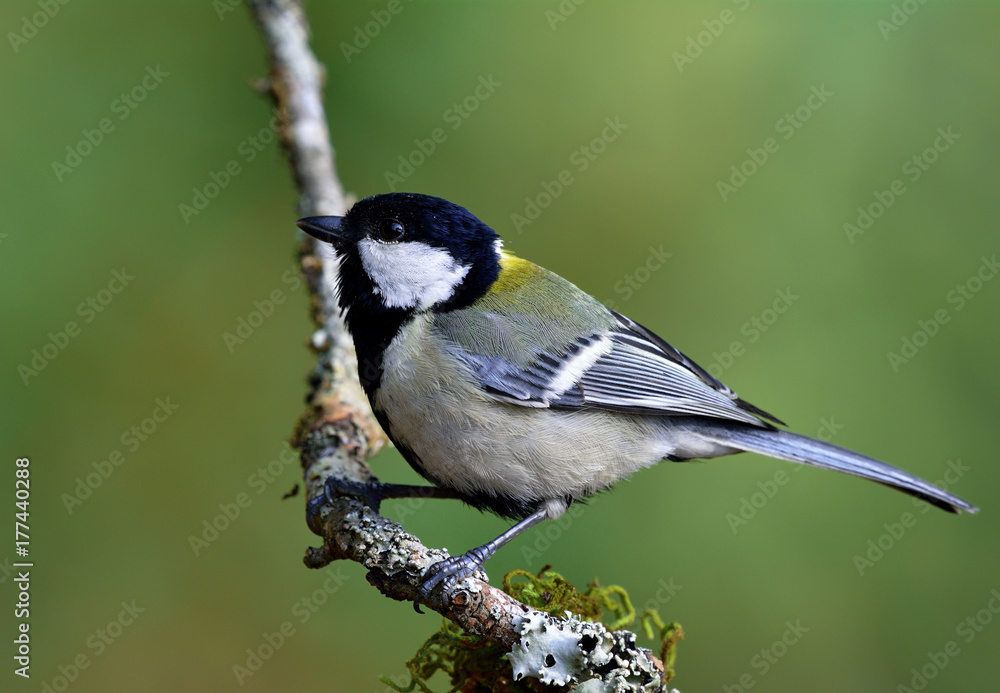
x,y
509,388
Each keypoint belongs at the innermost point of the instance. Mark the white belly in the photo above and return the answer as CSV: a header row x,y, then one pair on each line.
x,y
469,441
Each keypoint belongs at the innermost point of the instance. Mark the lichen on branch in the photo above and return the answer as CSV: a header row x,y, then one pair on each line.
x,y
337,433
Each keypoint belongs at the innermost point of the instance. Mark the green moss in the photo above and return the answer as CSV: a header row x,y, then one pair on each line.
x,y
473,665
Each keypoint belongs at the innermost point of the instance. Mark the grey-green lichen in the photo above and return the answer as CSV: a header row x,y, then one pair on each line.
x,y
557,653
575,649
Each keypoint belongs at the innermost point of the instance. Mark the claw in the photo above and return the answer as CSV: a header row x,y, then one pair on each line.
x,y
451,570
368,492
313,508
448,572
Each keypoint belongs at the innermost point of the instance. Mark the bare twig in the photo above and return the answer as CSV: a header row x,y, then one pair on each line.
x,y
338,431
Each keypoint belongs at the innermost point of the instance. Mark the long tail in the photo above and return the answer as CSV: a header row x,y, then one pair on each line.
x,y
795,448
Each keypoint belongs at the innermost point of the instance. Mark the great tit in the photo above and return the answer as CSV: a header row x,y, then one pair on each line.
x,y
511,389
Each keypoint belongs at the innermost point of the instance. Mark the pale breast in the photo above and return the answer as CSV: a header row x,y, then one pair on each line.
x,y
474,443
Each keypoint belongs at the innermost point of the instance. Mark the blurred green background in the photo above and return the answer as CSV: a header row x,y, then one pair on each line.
x,y
847,93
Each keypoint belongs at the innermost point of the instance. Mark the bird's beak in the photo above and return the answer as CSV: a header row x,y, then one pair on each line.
x,y
326,229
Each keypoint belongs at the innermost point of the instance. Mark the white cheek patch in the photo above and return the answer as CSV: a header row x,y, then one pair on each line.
x,y
411,274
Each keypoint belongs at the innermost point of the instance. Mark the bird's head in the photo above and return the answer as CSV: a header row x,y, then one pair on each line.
x,y
409,252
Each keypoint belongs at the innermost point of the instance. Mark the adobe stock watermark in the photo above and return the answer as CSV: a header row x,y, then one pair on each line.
x,y
6,570
246,151
893,532
132,439
748,506
958,297
563,11
968,629
258,482
405,507
666,590
753,329
96,644
769,656
33,23
786,126
454,116
541,539
580,159
696,45
627,286
301,611
262,310
224,7
363,34
122,108
913,168
87,309
900,15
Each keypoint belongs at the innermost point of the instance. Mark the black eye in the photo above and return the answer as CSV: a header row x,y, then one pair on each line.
x,y
390,230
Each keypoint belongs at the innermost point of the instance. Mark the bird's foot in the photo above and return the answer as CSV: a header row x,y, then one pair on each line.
x,y
370,493
449,571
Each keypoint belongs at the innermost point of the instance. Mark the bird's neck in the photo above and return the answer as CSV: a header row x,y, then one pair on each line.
x,y
373,331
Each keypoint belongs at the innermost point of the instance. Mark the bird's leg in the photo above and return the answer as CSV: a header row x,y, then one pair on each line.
x,y
372,493
451,570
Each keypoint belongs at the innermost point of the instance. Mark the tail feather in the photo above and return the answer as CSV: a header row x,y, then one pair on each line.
x,y
796,448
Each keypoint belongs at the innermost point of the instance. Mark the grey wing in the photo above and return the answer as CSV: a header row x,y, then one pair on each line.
x,y
646,340
625,368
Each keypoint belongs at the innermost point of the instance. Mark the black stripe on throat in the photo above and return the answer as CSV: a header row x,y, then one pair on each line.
x,y
373,331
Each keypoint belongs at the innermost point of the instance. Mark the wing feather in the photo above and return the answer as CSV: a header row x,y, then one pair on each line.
x,y
625,368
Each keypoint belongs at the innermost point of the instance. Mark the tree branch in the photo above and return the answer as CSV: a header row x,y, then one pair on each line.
x,y
338,432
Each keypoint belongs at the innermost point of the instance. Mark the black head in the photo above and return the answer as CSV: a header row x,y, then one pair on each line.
x,y
408,252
